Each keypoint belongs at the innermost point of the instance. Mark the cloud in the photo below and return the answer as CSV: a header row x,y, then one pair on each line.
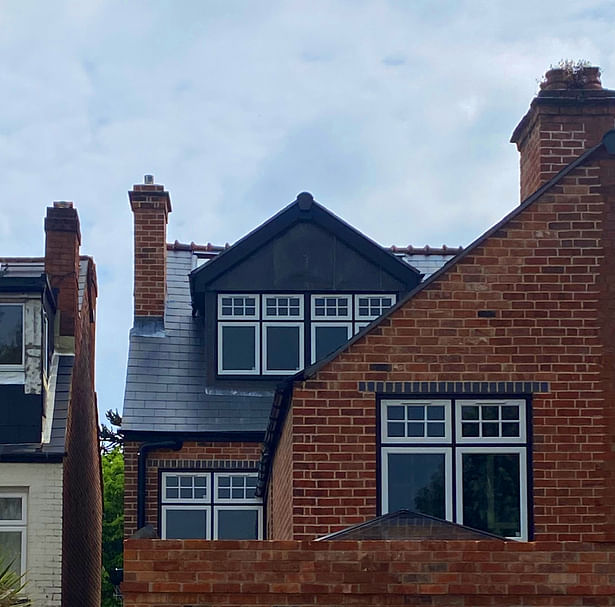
x,y
396,115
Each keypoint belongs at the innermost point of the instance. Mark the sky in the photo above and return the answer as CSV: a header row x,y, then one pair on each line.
x,y
396,115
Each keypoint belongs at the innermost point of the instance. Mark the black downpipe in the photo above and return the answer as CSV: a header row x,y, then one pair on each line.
x,y
141,461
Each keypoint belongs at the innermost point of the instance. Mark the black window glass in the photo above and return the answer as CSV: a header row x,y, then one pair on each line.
x,y
10,548
11,335
238,348
283,348
10,508
416,482
186,524
329,339
491,493
237,524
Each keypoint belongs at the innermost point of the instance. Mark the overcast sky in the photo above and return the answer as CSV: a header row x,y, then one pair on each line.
x,y
396,115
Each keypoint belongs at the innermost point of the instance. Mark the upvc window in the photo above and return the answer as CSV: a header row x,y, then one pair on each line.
x,y
11,335
238,348
13,522
472,471
328,337
282,347
331,307
239,306
372,306
206,505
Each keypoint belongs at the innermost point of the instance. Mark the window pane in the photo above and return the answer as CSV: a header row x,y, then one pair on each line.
x,y
329,339
10,548
186,524
11,336
416,481
282,348
10,509
491,493
237,524
238,348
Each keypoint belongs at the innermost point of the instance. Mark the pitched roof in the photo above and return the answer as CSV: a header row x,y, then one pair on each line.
x,y
408,525
283,397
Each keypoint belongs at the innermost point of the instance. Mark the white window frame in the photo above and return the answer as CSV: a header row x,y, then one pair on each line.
x,y
499,402
17,366
301,326
298,296
257,304
522,452
318,323
347,316
203,508
231,500
385,404
371,317
186,500
45,345
448,473
18,525
257,362
238,506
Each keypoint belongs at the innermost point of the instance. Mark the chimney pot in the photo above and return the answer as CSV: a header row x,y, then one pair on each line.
x,y
572,77
148,179
62,204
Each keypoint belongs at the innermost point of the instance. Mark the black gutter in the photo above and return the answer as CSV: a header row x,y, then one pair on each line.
x,y
141,462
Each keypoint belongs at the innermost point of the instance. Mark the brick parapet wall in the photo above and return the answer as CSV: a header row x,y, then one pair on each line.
x,y
547,280
392,573
194,455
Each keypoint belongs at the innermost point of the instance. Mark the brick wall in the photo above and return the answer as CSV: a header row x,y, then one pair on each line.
x,y
82,504
151,206
547,277
193,455
438,573
280,494
43,483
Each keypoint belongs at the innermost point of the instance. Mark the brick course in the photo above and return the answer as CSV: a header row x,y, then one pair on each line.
x,y
438,573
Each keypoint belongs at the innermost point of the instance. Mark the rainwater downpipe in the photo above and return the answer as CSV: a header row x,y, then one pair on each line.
x,y
141,468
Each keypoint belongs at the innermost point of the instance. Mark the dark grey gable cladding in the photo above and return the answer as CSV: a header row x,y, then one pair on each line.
x,y
303,211
166,390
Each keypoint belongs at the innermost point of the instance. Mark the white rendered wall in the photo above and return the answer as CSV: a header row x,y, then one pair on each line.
x,y
43,483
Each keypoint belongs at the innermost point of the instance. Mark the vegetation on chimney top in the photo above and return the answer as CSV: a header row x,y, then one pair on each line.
x,y
573,73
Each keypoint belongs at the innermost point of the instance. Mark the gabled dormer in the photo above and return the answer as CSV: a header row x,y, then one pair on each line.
x,y
291,292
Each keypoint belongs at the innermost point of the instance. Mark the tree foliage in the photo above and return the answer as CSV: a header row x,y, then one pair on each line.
x,y
113,513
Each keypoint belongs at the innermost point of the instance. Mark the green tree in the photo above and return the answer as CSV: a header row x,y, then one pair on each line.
x,y
113,512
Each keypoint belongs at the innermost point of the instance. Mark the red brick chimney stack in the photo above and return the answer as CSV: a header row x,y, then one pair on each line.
x,y
62,241
570,114
151,206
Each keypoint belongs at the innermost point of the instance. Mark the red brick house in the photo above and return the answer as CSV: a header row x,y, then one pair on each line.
x,y
50,476
481,397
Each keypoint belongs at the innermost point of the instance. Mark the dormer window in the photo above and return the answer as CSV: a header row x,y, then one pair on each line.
x,y
11,335
277,333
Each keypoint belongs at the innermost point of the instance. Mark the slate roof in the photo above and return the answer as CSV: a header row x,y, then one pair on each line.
x,y
166,389
409,525
165,385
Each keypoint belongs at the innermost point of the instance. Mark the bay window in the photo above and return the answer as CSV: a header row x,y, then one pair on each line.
x,y
464,460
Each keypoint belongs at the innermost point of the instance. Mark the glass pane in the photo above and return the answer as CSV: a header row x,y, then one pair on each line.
x,y
491,429
238,348
416,429
469,429
435,412
185,481
199,493
395,413
11,336
469,412
510,429
510,412
490,412
224,493
237,524
237,494
416,412
251,481
435,429
185,493
283,348
491,493
200,481
172,481
237,481
10,548
416,482
329,339
395,430
186,524
10,509
172,493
